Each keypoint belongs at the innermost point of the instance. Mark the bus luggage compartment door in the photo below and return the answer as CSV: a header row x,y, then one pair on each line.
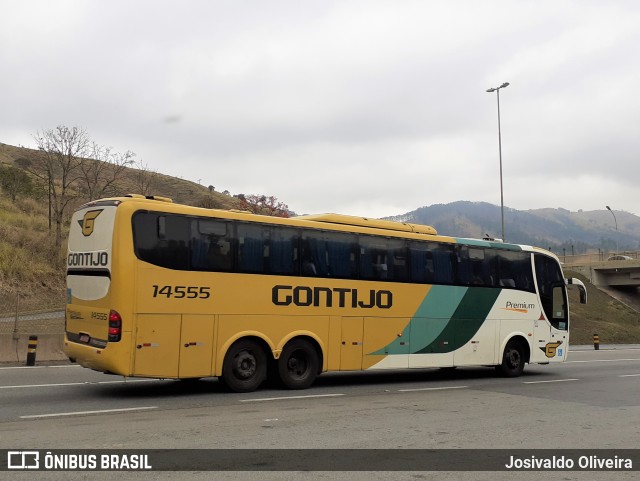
x,y
173,345
156,345
196,346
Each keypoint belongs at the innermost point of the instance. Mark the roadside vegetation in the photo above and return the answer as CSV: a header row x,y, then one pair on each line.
x,y
40,189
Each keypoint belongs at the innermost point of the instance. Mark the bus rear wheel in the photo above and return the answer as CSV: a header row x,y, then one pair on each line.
x,y
512,360
298,365
245,366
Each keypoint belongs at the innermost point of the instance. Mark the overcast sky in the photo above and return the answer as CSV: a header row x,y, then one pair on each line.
x,y
370,108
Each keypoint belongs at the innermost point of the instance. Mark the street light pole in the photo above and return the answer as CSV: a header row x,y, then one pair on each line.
x,y
497,91
616,221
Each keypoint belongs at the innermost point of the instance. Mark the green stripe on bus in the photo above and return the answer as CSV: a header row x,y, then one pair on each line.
x,y
431,318
465,322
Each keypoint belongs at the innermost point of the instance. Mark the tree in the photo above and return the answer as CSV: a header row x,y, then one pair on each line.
x,y
62,151
262,204
100,177
15,181
64,165
144,178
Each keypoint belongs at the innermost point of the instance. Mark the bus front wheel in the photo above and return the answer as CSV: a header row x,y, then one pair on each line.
x,y
245,366
298,365
512,360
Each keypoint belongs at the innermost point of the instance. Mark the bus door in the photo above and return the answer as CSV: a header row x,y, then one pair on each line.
x,y
551,335
173,345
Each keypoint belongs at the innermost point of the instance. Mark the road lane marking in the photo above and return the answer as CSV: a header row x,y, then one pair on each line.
x,y
432,388
629,375
284,398
38,367
76,383
552,380
602,360
79,413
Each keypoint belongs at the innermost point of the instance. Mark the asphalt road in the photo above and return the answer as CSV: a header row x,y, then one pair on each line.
x,y
591,401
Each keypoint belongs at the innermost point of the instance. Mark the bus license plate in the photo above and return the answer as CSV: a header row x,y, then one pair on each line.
x,y
84,338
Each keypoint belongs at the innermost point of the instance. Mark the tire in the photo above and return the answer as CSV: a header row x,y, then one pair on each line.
x,y
298,365
512,360
245,366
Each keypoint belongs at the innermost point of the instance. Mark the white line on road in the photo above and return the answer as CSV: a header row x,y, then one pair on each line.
x,y
602,360
629,375
38,367
284,398
76,383
552,380
79,413
432,388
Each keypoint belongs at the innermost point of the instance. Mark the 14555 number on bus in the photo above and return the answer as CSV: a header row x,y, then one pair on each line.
x,y
180,292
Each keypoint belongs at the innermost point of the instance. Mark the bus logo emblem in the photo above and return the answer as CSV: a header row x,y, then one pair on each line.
x,y
550,349
88,221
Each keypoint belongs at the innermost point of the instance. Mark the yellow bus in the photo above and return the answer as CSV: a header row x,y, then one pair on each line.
x,y
162,290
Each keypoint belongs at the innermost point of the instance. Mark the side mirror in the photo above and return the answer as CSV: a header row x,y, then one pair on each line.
x,y
583,290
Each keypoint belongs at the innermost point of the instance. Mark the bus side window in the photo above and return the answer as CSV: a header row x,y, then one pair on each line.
x,y
162,239
331,253
282,254
443,258
514,270
213,239
251,248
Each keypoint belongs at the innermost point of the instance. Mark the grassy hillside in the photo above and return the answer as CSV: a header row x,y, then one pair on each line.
x,y
613,321
29,262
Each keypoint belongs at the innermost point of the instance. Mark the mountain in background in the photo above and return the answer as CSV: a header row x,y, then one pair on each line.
x,y
577,232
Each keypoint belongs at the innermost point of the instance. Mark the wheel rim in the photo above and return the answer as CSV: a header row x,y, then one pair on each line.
x,y
245,365
298,365
514,358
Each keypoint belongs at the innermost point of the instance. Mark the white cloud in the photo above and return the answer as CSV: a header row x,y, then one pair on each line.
x,y
363,107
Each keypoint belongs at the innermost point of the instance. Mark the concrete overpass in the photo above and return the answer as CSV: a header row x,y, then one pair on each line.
x,y
602,273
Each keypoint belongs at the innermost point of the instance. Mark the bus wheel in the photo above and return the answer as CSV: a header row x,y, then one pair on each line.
x,y
512,360
298,365
245,366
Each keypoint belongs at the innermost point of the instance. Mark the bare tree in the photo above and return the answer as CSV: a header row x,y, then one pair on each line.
x,y
145,178
101,175
62,151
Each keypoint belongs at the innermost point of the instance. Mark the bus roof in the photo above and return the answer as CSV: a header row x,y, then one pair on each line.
x,y
367,222
337,221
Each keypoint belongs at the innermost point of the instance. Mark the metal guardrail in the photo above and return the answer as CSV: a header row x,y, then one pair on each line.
x,y
595,257
35,322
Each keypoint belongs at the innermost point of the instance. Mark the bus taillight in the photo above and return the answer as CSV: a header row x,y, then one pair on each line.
x,y
115,326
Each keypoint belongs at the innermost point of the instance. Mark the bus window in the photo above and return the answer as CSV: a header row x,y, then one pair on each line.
x,y
383,259
514,270
443,258
162,240
421,262
281,254
267,249
211,245
328,254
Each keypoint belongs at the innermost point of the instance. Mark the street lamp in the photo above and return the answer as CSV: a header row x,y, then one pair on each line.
x,y
616,221
497,91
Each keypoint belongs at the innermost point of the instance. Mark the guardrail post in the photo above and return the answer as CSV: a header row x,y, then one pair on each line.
x,y
31,350
596,342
